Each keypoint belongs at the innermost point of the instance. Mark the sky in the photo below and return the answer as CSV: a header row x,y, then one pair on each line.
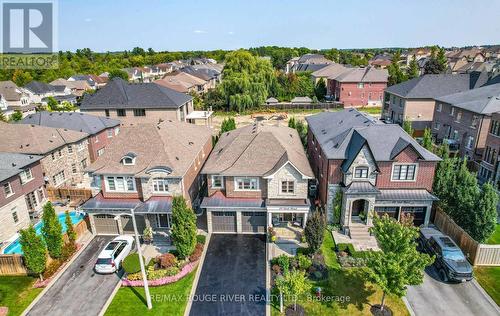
x,y
172,25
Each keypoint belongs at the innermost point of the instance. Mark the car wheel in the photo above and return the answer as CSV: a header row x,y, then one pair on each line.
x,y
443,275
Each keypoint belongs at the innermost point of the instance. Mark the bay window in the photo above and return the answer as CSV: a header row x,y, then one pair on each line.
x,y
160,185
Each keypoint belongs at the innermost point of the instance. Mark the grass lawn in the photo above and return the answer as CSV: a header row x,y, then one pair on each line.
x,y
495,238
350,293
170,299
17,292
489,278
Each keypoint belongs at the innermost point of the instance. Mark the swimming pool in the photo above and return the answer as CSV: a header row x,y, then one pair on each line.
x,y
15,247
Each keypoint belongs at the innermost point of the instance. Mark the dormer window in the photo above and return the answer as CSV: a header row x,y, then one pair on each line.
x,y
361,172
129,159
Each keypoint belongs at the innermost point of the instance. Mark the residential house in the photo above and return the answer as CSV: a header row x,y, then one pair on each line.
x,y
137,102
100,81
489,167
418,53
380,61
39,90
76,87
101,130
257,177
88,78
211,76
23,193
414,99
163,161
183,82
376,167
65,152
463,119
307,62
13,98
329,72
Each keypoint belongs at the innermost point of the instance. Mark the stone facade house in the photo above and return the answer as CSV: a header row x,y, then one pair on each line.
x,y
138,103
376,167
65,152
463,119
163,161
13,98
489,167
257,178
101,130
22,192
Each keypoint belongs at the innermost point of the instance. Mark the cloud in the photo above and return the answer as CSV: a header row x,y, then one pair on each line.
x,y
199,31
88,20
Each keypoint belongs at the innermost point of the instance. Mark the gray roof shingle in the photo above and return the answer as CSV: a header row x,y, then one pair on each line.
x,y
406,195
431,86
12,164
484,100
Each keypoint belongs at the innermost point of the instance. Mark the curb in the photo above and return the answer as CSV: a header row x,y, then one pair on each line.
x,y
408,306
197,276
268,279
110,298
54,280
486,295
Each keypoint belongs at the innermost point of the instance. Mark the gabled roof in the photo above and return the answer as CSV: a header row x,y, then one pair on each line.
x,y
120,94
484,100
257,150
10,91
38,87
431,86
342,134
12,163
332,70
72,84
76,121
169,145
368,74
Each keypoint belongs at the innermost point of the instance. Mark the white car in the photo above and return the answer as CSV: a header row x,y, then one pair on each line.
x,y
111,257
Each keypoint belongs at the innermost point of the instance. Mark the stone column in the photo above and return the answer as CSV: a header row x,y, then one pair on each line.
x,y
269,219
119,223
305,220
238,222
209,221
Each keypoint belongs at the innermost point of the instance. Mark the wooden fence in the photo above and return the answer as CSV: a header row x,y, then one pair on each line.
x,y
74,195
283,106
477,253
13,264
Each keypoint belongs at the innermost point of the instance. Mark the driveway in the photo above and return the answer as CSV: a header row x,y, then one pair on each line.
x,y
79,290
434,297
233,277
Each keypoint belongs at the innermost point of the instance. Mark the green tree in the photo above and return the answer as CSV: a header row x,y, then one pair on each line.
x,y
313,232
484,216
291,122
442,60
407,126
427,139
52,104
16,116
294,284
413,69
52,231
118,73
320,89
228,124
437,64
337,207
70,230
34,251
21,77
396,74
301,128
398,264
464,196
3,118
183,227
444,177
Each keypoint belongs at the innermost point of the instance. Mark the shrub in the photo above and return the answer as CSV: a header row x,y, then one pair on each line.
x,y
167,260
196,255
283,261
201,239
348,262
314,231
174,252
276,269
304,262
67,251
349,248
161,273
52,268
131,263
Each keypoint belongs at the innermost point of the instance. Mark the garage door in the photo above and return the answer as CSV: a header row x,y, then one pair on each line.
x,y
224,222
105,224
128,225
253,222
418,213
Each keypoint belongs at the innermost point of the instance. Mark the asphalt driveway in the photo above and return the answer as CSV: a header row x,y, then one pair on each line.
x,y
434,297
233,277
79,290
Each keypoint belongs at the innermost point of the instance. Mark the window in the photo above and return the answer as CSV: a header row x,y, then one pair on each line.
x,y
7,189
26,176
121,112
128,161
437,125
73,168
81,145
361,172
120,184
361,85
439,107
70,149
470,142
15,217
452,110
117,130
96,139
100,152
160,185
403,172
287,187
459,116
106,112
475,120
84,163
217,182
490,155
247,183
59,178
139,112
495,128
110,133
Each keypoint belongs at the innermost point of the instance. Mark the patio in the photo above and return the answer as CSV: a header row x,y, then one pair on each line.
x,y
288,231
360,244
162,243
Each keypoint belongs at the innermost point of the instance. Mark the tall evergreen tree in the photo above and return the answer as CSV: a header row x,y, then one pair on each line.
x,y
484,215
427,139
464,195
183,227
413,70
407,126
52,231
320,89
70,230
444,178
34,251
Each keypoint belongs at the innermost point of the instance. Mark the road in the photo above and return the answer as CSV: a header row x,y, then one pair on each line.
x,y
79,290
434,297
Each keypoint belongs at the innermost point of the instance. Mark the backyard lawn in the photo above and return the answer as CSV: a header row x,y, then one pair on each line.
x,y
16,292
350,293
495,238
169,299
489,278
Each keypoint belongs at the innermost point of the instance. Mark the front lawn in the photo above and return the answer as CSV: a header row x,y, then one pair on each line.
x,y
489,278
17,292
170,299
495,238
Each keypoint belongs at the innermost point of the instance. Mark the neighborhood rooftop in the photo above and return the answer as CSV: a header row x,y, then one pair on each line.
x,y
12,163
484,100
432,86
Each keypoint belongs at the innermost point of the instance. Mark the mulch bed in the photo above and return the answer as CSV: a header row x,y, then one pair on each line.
x,y
289,311
375,309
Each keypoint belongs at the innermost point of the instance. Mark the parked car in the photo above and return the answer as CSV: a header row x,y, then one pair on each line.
x,y
111,257
450,262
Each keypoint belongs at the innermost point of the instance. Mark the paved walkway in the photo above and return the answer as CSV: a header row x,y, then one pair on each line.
x,y
358,244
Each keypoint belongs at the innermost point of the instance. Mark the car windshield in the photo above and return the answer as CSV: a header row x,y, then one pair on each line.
x,y
112,245
104,261
453,254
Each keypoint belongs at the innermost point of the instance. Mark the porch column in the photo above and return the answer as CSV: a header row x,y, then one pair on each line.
x,y
119,223
428,211
305,220
209,221
269,219
238,222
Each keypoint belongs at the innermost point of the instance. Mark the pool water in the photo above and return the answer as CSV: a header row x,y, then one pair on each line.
x,y
15,247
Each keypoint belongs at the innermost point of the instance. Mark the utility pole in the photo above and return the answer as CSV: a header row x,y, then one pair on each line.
x,y
141,260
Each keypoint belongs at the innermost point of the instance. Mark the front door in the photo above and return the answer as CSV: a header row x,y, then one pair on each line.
x,y
358,207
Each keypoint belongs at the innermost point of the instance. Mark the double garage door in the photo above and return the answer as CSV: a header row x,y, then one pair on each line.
x,y
251,222
106,224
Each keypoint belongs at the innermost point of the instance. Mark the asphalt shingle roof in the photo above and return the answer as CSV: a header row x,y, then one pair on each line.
x,y
431,86
484,100
38,87
12,163
406,195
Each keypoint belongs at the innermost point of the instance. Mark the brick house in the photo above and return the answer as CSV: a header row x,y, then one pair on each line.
x,y
257,177
65,152
23,193
163,161
138,103
463,119
101,130
377,167
489,170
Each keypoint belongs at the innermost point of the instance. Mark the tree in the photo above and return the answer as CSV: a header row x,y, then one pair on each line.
x,y
183,227
407,126
294,284
291,122
427,139
70,230
313,232
228,124
464,196
118,73
484,216
438,63
52,231
34,251
444,177
52,104
16,116
337,207
320,89
3,118
396,75
301,128
413,69
398,264
21,78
